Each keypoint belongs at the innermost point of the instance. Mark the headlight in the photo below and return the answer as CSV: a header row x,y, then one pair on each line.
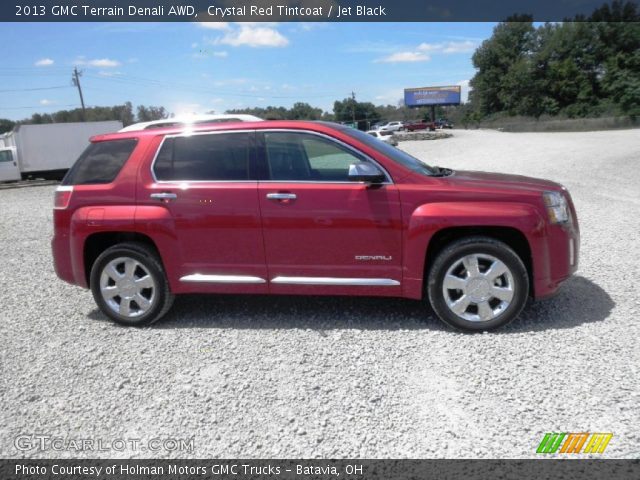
x,y
557,207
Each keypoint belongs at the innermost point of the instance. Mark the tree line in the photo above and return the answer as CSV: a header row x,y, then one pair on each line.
x,y
586,67
124,113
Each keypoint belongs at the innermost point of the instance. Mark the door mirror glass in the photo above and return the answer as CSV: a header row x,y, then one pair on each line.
x,y
365,172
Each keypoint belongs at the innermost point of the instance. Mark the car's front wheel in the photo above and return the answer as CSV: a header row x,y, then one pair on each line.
x,y
129,285
478,284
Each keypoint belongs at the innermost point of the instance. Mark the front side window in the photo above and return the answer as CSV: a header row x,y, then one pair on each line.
x,y
100,162
293,156
6,156
210,157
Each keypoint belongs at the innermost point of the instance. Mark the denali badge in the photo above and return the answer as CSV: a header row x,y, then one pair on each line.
x,y
369,258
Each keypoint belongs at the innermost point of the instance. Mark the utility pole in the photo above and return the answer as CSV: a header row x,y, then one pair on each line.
x,y
76,81
353,107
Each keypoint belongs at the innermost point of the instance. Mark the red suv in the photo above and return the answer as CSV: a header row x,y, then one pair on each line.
x,y
421,125
283,207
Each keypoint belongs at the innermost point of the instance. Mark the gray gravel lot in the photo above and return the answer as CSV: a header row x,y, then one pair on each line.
x,y
339,377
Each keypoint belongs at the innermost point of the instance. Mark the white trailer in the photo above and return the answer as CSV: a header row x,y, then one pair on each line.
x,y
47,150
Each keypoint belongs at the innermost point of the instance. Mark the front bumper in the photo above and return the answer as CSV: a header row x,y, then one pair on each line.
x,y
562,252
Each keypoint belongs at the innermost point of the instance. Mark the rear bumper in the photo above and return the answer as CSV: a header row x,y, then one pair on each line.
x,y
62,258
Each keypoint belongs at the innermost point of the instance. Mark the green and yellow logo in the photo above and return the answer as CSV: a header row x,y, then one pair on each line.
x,y
574,442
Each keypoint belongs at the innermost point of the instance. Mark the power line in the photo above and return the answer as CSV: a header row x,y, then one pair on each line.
x,y
33,89
40,106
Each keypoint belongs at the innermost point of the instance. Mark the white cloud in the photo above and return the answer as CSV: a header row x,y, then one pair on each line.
x,y
98,62
230,81
465,46
44,62
104,63
45,101
253,36
203,54
404,57
104,73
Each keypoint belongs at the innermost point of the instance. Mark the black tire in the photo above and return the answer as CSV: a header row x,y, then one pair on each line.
x,y
148,263
517,281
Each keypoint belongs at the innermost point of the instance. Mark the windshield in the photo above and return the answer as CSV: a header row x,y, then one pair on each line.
x,y
393,153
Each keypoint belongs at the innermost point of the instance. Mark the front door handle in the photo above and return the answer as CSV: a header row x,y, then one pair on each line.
x,y
164,196
281,196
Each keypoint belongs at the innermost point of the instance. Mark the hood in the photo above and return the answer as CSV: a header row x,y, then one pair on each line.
x,y
501,181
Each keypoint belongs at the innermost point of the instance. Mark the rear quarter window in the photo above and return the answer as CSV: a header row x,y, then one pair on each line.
x,y
100,162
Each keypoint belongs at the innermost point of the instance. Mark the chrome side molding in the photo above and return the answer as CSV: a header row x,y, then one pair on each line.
x,y
247,279
197,277
372,282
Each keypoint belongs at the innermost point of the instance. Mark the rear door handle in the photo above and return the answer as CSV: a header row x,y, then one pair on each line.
x,y
281,196
164,196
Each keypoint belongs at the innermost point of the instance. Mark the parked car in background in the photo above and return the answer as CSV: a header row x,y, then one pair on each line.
x,y
443,123
190,120
384,136
304,208
421,125
392,127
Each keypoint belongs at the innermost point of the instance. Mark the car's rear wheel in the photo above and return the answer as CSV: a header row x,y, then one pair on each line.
x,y
129,285
478,284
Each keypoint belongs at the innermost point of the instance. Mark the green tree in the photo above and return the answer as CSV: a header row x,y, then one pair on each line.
x,y
149,114
589,66
365,113
304,111
507,49
6,125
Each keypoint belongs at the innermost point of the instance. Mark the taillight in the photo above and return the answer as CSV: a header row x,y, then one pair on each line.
x,y
62,197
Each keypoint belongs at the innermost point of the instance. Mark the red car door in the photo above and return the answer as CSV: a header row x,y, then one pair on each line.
x,y
207,185
323,233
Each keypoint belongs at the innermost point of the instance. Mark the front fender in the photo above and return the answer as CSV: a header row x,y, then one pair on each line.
x,y
428,219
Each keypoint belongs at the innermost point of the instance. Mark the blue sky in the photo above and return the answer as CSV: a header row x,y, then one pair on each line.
x,y
194,68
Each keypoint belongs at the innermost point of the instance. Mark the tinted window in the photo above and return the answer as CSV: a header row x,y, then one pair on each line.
x,y
100,162
222,156
6,156
304,157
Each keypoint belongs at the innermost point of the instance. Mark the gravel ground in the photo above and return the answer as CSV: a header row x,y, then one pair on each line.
x,y
339,377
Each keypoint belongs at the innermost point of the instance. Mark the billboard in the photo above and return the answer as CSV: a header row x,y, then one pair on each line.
x,y
425,96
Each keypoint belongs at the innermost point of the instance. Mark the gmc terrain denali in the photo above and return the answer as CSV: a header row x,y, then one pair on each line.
x,y
279,207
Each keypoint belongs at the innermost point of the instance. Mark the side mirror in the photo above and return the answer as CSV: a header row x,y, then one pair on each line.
x,y
365,172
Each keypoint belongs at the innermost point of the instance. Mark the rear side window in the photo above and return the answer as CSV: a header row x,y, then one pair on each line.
x,y
100,162
211,157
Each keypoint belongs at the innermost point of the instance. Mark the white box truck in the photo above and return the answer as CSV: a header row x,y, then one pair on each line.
x,y
47,150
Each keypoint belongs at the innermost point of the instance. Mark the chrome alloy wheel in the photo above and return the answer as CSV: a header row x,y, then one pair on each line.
x,y
127,287
478,287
